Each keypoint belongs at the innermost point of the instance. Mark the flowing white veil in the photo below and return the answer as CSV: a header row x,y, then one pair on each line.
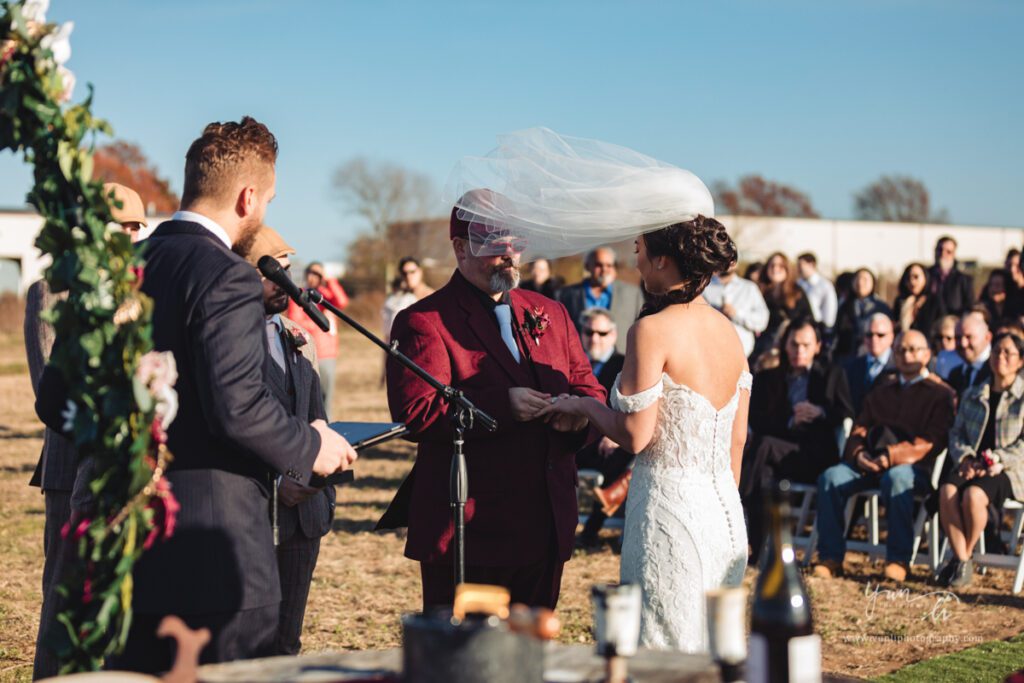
x,y
562,195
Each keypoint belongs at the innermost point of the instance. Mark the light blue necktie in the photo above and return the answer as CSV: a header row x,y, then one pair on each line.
x,y
504,314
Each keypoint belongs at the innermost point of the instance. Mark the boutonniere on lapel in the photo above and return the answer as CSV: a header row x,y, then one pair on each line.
x,y
296,341
536,322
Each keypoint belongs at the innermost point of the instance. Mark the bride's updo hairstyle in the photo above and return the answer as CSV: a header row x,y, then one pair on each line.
x,y
700,248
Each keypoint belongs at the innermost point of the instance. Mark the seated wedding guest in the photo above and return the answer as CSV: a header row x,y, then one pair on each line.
x,y
820,292
753,271
903,426
541,280
785,300
741,302
999,297
304,513
944,346
603,289
854,313
410,289
954,287
916,308
326,342
58,463
863,372
986,449
598,337
974,345
794,412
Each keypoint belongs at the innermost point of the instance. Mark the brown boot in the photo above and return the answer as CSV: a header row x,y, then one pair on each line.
x,y
896,571
828,569
613,495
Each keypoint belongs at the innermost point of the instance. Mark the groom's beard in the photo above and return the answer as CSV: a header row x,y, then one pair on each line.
x,y
247,232
505,277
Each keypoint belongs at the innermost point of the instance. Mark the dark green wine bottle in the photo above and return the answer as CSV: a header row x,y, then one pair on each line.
x,y
783,645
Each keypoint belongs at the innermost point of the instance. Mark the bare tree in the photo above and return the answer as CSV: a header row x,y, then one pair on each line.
x,y
754,195
382,193
897,198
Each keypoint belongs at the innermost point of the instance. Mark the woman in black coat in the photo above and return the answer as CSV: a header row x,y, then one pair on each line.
x,y
795,411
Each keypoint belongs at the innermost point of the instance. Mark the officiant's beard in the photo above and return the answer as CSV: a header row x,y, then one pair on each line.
x,y
504,279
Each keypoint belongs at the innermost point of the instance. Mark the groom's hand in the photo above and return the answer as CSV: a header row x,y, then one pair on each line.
x,y
336,454
568,423
526,403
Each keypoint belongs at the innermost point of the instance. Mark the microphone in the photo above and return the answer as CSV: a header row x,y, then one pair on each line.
x,y
273,271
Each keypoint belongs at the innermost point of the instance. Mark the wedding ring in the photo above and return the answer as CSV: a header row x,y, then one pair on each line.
x,y
554,398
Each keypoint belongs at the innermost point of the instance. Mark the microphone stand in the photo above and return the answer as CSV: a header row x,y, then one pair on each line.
x,y
464,415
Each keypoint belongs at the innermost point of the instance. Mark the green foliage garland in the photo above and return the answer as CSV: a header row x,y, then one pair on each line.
x,y
103,331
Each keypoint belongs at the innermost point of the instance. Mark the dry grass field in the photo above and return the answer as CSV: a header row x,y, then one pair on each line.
x,y
363,584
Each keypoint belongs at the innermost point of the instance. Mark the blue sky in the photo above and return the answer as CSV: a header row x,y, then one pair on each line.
x,y
824,96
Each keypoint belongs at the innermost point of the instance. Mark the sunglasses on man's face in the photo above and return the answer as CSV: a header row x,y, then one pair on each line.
x,y
516,245
587,332
877,335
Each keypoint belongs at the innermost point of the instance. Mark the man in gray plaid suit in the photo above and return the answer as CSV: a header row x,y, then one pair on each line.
x,y
303,514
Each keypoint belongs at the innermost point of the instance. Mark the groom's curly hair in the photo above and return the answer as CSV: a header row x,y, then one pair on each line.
x,y
225,153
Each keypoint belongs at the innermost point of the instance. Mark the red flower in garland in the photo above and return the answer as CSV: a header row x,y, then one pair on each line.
x,y
165,513
537,322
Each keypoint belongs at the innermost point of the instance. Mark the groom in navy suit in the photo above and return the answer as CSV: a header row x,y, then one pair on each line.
x,y
231,436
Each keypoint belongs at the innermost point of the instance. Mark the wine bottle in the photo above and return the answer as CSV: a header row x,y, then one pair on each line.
x,y
783,645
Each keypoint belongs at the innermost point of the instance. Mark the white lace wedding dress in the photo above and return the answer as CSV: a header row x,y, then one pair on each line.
x,y
684,530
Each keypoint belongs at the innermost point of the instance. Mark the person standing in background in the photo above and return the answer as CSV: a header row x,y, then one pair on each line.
x,y
740,300
541,280
326,342
948,282
821,294
410,289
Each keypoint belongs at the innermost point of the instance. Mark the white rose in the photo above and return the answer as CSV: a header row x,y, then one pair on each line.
x,y
68,83
59,42
35,10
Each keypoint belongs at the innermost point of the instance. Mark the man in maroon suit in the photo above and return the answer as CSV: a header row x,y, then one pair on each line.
x,y
510,351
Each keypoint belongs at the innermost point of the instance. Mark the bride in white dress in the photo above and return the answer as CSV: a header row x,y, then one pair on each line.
x,y
680,404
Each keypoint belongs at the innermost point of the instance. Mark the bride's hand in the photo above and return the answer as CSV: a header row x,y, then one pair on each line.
x,y
563,405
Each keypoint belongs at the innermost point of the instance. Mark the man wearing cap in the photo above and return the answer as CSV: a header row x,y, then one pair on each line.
x,y
510,352
58,464
301,514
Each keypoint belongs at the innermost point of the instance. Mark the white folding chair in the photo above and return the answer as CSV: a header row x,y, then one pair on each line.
x,y
807,492
1013,560
873,547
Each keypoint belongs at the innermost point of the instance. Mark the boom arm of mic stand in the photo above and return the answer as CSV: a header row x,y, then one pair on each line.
x,y
452,395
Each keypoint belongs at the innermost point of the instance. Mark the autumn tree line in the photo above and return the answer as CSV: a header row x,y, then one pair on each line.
x,y
399,213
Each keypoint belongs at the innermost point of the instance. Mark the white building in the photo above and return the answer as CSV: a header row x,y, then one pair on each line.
x,y
885,248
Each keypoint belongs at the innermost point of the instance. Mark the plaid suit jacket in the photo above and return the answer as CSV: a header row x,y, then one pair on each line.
x,y
58,460
969,426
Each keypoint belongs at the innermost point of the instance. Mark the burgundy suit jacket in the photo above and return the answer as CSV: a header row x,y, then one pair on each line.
x,y
522,478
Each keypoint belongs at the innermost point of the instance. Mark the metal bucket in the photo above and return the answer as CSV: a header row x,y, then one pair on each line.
x,y
439,649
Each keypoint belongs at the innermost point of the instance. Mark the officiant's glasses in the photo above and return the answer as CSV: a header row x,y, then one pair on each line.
x,y
589,332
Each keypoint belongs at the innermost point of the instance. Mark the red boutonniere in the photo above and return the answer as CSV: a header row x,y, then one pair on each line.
x,y
296,339
537,322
